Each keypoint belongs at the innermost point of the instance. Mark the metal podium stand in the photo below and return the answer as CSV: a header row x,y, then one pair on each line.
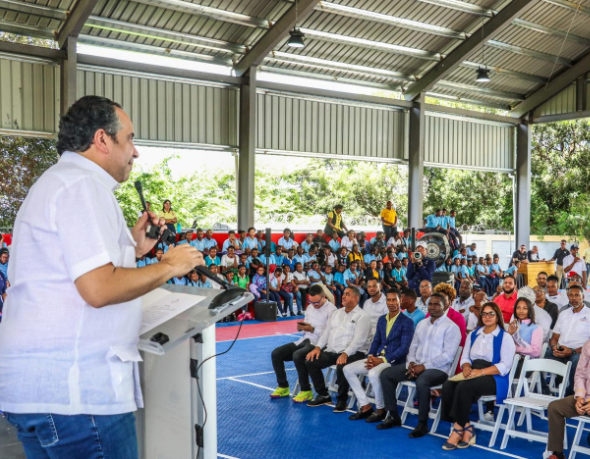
x,y
170,425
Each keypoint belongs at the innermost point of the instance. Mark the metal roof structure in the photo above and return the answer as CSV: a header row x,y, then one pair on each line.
x,y
411,46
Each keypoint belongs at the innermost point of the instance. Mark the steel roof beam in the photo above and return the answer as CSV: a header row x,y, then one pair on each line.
x,y
209,12
75,21
34,9
463,7
550,31
32,51
559,83
530,53
469,47
27,30
275,35
144,31
480,90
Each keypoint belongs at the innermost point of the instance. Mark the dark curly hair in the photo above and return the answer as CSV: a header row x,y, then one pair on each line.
x,y
83,119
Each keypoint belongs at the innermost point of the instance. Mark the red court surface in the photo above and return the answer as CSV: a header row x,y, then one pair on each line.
x,y
256,330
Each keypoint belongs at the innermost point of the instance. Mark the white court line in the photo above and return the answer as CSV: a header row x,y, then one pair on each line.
x,y
253,374
405,427
224,456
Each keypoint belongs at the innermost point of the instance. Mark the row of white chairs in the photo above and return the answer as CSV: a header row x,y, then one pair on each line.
x,y
525,397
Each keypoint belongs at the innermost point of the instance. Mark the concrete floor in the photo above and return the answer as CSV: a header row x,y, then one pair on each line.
x,y
10,447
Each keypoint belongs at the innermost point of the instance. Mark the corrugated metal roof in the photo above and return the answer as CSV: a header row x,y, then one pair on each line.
x,y
435,35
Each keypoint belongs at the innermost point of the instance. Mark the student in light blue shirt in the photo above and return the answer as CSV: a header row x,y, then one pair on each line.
x,y
444,220
371,256
408,305
231,240
300,257
334,243
289,260
199,243
212,258
512,270
277,258
287,242
308,242
182,280
204,283
209,241
251,241
182,239
495,267
158,257
471,250
314,274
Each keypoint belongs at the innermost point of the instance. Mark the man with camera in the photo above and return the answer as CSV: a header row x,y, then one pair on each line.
x,y
419,268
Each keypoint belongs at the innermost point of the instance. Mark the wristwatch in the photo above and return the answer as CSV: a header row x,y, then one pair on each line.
x,y
573,351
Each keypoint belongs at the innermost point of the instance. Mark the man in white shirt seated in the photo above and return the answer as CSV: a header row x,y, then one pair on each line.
x,y
575,279
375,305
574,263
343,341
431,355
389,347
553,294
570,333
465,300
316,317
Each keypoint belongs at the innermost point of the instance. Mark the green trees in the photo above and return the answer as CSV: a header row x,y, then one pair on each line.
x,y
560,198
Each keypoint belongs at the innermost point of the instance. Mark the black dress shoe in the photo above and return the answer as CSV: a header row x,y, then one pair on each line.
x,y
340,407
320,400
390,422
376,417
361,415
420,430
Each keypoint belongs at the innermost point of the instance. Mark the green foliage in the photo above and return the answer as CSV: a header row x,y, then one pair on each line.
x,y
22,161
208,197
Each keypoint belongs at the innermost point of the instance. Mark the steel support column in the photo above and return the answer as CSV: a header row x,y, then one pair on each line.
x,y
523,184
68,70
247,157
416,164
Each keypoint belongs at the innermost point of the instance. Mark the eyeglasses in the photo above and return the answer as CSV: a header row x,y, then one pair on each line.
x,y
488,314
316,302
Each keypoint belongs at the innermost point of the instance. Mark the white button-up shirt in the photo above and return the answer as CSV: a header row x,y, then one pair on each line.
x,y
483,349
459,305
317,318
560,299
435,344
375,310
57,353
421,305
579,268
346,332
573,328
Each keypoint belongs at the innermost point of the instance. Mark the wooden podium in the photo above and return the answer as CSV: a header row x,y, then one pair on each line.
x,y
531,270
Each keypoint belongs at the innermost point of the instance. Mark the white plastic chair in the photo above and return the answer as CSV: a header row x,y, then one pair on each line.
x,y
411,386
495,426
533,400
576,447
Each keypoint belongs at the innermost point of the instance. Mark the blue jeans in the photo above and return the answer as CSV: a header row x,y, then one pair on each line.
x,y
56,436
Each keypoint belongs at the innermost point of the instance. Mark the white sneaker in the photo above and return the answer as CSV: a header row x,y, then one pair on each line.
x,y
489,416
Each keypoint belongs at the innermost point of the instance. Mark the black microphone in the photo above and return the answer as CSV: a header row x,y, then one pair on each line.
x,y
151,231
231,291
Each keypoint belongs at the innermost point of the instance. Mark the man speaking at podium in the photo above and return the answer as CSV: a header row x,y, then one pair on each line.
x,y
68,339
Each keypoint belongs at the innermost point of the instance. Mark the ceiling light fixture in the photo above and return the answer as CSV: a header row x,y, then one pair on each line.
x,y
483,73
296,39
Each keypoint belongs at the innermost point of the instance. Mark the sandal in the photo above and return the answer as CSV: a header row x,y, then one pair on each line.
x,y
471,442
451,446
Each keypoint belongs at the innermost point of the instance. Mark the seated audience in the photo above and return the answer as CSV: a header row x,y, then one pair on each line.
x,y
527,335
553,294
211,258
230,260
342,342
334,223
302,282
486,363
349,240
431,355
425,292
251,241
286,242
316,319
231,241
506,298
465,299
450,294
390,345
277,293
